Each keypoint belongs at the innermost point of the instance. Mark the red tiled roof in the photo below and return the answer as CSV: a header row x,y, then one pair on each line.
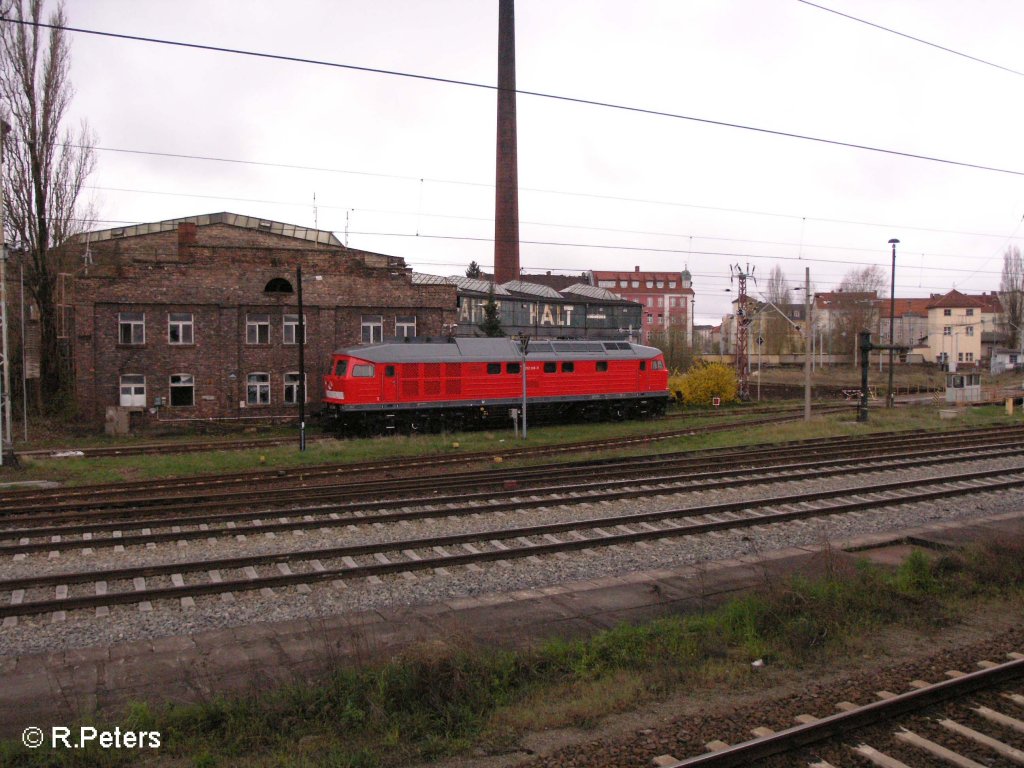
x,y
956,299
902,307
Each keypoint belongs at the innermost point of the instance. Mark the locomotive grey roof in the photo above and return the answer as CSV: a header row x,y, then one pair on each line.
x,y
466,350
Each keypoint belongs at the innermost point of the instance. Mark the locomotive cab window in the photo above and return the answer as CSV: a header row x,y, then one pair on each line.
x,y
362,371
340,367
550,367
512,368
602,365
568,367
493,368
389,371
643,365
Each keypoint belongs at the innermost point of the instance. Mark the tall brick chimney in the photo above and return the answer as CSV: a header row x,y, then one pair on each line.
x,y
506,204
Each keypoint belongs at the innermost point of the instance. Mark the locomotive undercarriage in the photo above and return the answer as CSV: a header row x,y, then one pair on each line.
x,y
458,419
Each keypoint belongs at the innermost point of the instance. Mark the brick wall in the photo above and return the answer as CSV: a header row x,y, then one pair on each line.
x,y
219,279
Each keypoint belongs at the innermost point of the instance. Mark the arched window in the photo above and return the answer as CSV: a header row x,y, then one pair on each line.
x,y
278,285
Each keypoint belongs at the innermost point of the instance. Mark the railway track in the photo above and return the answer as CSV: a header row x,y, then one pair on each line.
x,y
154,505
12,500
101,589
932,723
617,481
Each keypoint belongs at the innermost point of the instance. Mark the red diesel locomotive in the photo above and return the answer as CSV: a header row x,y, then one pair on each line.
x,y
461,383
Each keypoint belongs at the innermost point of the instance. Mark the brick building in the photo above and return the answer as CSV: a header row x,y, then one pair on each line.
x,y
667,298
199,315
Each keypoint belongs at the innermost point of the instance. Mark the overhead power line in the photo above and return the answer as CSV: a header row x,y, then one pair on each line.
x,y
567,193
526,222
646,249
911,37
537,94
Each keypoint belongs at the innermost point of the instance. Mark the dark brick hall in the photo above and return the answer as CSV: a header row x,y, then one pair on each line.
x,y
197,318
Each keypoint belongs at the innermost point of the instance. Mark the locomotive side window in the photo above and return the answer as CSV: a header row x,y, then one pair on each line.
x,y
602,365
389,371
568,367
658,365
340,367
362,371
512,368
643,365
493,368
550,367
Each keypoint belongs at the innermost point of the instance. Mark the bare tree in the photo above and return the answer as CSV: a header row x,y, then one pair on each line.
x,y
44,169
1011,295
776,326
854,308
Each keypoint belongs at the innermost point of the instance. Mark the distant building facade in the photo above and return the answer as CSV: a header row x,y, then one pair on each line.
x,y
666,297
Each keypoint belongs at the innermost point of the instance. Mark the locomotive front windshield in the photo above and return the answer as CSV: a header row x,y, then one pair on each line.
x,y
340,367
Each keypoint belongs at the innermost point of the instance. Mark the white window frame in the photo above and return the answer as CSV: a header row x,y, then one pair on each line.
x,y
132,390
970,330
257,329
290,330
180,382
135,324
257,389
291,388
185,328
947,330
371,329
405,326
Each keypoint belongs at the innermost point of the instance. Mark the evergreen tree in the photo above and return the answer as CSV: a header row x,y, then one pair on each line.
x,y
491,326
473,270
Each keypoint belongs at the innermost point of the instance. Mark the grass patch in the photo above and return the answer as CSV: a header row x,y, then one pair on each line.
x,y
79,471
442,698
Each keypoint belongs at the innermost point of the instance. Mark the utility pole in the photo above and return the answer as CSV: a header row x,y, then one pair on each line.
x,y
301,330
526,343
6,432
743,321
807,344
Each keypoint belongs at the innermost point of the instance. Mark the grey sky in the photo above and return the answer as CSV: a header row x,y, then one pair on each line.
x,y
600,188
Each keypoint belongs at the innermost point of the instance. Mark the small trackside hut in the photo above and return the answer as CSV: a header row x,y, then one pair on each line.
x,y
461,383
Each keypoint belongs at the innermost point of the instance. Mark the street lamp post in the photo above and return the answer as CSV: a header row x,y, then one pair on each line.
x,y
892,322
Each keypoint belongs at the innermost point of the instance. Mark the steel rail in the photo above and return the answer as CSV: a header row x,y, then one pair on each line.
x,y
130,506
672,530
546,473
342,516
299,474
800,736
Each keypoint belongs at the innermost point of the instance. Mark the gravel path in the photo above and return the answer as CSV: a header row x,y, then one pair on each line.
x,y
125,623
